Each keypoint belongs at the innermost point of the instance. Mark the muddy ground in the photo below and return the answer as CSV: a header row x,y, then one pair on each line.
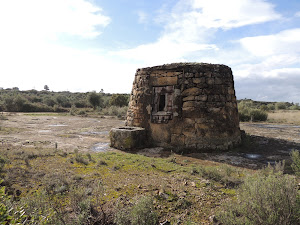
x,y
264,143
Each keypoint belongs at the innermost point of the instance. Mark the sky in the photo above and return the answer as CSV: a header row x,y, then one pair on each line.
x,y
89,45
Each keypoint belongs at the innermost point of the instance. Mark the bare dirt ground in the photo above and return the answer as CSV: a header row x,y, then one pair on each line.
x,y
264,143
67,133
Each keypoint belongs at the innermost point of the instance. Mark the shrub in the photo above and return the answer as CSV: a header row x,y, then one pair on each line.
x,y
73,110
2,162
119,100
264,108
244,116
280,105
82,112
80,159
225,174
247,114
8,213
258,115
49,101
95,99
296,162
63,101
294,107
141,213
270,199
120,112
271,106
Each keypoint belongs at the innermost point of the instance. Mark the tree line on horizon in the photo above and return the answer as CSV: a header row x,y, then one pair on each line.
x,y
14,100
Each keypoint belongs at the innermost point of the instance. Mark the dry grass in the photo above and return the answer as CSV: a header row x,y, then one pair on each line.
x,y
175,184
284,116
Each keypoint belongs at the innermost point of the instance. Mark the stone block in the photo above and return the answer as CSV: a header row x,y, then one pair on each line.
x,y
197,80
202,98
189,75
177,140
201,126
127,138
192,91
210,81
177,129
189,104
188,98
230,91
218,80
164,81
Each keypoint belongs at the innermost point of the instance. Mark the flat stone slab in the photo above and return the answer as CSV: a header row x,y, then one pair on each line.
x,y
127,138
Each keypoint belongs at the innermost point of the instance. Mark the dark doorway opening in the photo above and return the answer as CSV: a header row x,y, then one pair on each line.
x,y
162,103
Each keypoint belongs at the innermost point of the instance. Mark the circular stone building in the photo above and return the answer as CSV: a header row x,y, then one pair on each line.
x,y
185,106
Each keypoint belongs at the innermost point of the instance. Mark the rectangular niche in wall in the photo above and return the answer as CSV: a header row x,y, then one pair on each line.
x,y
162,104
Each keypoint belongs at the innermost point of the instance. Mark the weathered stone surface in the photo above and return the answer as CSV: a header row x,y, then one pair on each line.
x,y
186,105
189,98
127,138
192,91
201,98
162,81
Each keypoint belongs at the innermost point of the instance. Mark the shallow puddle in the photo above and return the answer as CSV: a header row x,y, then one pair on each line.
x,y
44,131
94,132
273,126
252,156
101,147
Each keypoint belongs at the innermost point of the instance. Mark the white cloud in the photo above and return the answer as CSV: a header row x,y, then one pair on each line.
x,y
31,54
63,68
221,14
190,25
276,71
163,51
49,18
297,14
285,42
282,85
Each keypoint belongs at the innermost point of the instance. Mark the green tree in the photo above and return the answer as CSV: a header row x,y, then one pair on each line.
x,y
95,100
46,88
119,100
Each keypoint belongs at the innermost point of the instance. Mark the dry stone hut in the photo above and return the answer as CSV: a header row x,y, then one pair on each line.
x,y
186,106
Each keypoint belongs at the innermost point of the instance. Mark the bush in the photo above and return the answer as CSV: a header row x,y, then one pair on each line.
x,y
49,101
280,105
120,112
80,159
8,213
271,107
119,100
296,162
141,213
294,107
224,174
268,200
82,112
2,163
264,108
258,115
247,114
244,116
95,99
63,101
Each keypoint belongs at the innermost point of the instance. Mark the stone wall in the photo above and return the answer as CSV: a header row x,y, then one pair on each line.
x,y
186,105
